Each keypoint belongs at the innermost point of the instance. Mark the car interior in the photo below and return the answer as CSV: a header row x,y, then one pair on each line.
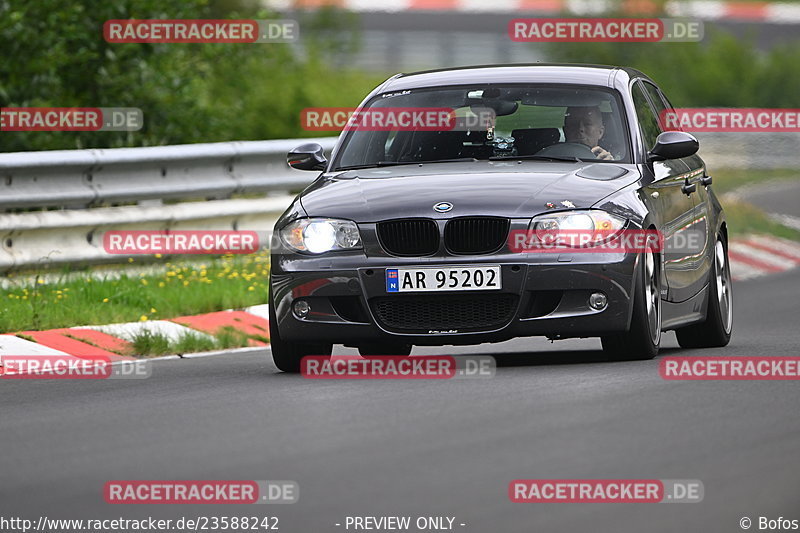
x,y
526,122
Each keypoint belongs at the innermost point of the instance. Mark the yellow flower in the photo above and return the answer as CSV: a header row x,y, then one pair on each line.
x,y
158,256
143,318
40,281
144,282
105,300
152,309
161,284
185,283
130,260
251,288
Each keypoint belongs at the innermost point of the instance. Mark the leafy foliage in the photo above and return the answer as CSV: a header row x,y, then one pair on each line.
x,y
721,71
55,55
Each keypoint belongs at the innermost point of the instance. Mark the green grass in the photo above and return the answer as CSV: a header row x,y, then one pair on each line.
x,y
745,218
147,343
728,179
229,337
181,288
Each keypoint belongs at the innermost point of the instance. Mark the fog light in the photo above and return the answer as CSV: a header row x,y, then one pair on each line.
x,y
301,308
598,301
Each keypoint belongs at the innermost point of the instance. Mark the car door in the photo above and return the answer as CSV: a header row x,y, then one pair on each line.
x,y
671,206
699,236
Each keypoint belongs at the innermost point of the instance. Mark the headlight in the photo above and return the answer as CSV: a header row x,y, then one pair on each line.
x,y
576,228
319,235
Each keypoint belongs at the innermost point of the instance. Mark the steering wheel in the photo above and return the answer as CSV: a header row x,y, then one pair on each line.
x,y
568,149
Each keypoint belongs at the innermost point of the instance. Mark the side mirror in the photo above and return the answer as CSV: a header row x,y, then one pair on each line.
x,y
673,145
307,157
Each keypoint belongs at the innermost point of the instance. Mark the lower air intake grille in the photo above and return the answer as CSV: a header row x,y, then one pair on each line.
x,y
444,312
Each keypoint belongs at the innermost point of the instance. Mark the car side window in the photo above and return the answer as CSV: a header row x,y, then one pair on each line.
x,y
647,118
655,97
658,95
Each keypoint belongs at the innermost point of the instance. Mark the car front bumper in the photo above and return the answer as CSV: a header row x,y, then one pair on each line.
x,y
541,295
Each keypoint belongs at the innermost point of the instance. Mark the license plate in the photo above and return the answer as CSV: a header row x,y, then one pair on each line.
x,y
432,279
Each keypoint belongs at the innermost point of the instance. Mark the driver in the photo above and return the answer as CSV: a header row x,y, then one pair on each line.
x,y
585,125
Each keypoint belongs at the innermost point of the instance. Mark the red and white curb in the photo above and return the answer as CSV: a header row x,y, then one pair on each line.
x,y
750,257
90,342
760,255
775,12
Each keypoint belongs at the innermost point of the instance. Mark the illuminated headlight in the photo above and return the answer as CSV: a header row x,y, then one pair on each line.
x,y
319,235
577,228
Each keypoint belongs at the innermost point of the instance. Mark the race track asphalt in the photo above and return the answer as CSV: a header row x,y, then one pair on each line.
x,y
426,448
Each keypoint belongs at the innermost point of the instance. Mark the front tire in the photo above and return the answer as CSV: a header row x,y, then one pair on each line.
x,y
641,341
288,355
715,330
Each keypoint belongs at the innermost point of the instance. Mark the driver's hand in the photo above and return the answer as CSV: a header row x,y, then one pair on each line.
x,y
602,153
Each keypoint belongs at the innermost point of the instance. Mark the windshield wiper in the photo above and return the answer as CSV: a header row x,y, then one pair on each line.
x,y
455,160
398,163
370,165
536,158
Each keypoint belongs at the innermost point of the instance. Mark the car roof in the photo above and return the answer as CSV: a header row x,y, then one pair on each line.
x,y
569,73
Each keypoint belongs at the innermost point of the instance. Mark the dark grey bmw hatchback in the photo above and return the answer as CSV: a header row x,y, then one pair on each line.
x,y
407,237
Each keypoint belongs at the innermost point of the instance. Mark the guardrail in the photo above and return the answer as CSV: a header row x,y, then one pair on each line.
x,y
79,182
83,178
198,181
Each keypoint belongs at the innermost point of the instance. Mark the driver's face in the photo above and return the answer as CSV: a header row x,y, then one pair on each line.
x,y
584,127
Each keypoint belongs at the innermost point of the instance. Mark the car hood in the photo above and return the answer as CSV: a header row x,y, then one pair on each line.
x,y
502,188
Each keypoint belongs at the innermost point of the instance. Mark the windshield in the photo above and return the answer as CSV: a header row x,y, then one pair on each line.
x,y
487,122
